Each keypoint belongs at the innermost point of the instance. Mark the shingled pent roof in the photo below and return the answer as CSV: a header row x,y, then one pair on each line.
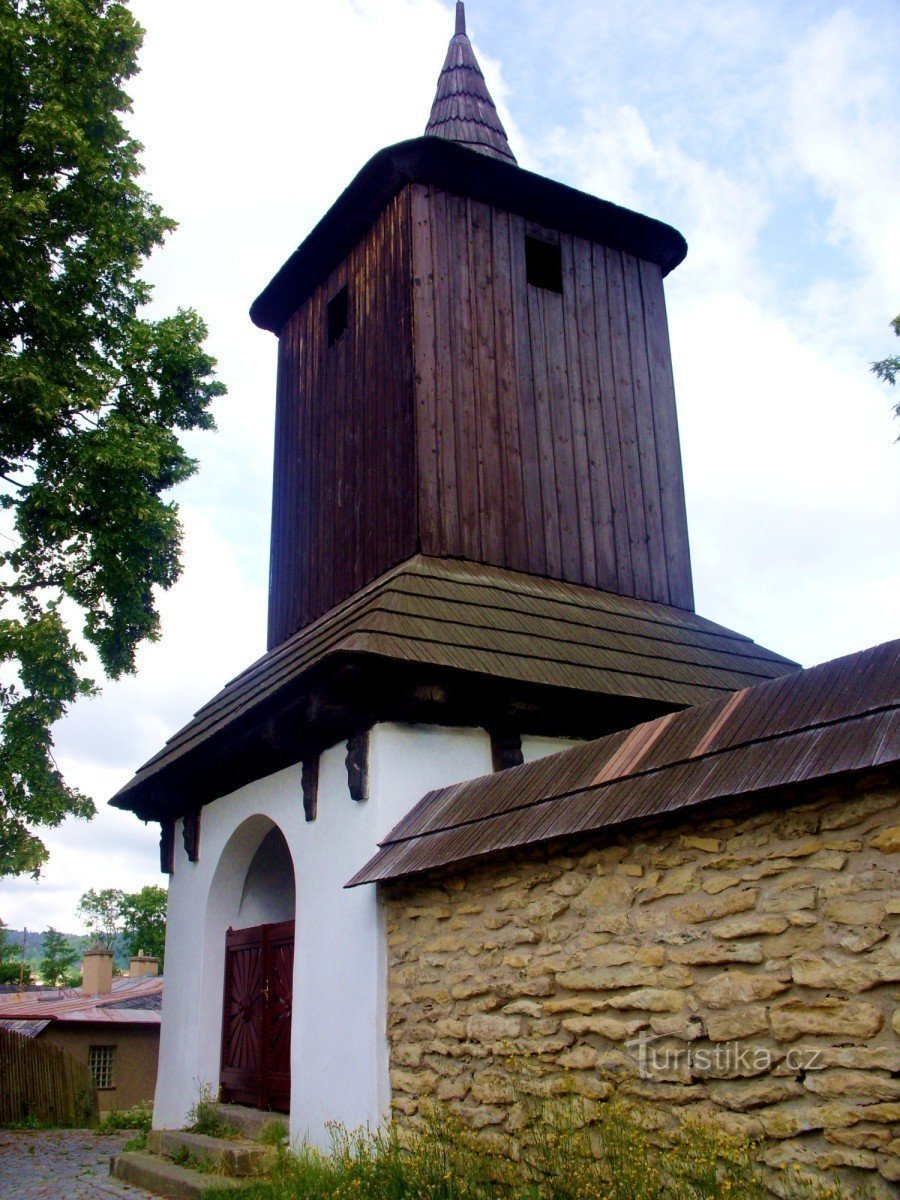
x,y
463,110
485,621
835,719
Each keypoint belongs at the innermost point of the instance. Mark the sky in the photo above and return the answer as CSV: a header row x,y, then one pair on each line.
x,y
765,130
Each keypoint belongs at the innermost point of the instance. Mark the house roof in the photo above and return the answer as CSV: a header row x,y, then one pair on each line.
x,y
462,172
463,110
836,719
485,621
130,1002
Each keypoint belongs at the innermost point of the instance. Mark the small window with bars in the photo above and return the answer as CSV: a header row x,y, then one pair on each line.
x,y
102,1061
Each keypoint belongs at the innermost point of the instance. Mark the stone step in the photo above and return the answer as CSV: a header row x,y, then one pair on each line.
x,y
164,1178
250,1121
222,1157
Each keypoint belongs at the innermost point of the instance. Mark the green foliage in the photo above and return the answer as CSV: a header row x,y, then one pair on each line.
x,y
138,1118
10,961
58,958
889,368
563,1154
143,919
138,919
93,396
204,1115
273,1133
100,913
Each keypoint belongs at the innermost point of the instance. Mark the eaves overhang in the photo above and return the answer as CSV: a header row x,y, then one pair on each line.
x,y
462,172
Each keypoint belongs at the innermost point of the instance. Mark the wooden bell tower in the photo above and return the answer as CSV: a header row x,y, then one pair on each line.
x,y
473,364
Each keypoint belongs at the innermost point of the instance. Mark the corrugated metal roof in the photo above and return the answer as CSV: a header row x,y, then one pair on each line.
x,y
488,621
70,1004
835,719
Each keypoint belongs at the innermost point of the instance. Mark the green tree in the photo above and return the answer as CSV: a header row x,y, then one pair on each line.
x,y
10,962
93,395
142,916
58,958
100,913
889,368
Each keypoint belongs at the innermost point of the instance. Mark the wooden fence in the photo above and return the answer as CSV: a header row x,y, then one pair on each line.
x,y
40,1082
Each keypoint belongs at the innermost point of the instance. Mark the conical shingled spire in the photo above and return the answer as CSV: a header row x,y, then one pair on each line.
x,y
463,110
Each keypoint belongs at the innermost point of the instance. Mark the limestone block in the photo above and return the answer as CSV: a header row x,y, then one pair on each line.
x,y
853,812
858,941
607,978
454,1088
650,1000
885,1114
675,882
524,1008
492,1089
866,1084
829,860
707,845
469,988
864,1058
582,1058
803,920
736,1024
740,1097
686,1026
738,987
570,884
415,1083
712,953
604,892
796,940
720,882
861,1137
713,910
787,1122
546,909
749,925
790,900
611,1028
854,912
795,1018
490,1027
843,977
888,841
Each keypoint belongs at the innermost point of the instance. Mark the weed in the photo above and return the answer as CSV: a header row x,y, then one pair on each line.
x,y
273,1133
205,1118
563,1153
139,1117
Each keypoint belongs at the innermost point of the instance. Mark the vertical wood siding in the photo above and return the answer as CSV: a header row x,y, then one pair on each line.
x,y
344,500
546,430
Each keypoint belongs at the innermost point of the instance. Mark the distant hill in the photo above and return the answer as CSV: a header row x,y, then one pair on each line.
x,y
78,941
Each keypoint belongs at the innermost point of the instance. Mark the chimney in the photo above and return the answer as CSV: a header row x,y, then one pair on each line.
x,y
97,974
141,965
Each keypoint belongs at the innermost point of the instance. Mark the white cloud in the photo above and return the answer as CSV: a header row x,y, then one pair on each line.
x,y
771,144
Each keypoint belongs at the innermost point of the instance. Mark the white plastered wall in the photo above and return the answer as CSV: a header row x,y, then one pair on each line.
x,y
339,1059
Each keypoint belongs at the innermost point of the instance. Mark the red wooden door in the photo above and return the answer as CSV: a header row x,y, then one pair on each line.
x,y
256,1023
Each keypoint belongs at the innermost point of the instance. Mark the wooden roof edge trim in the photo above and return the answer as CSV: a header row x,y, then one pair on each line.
x,y
370,872
460,171
599,785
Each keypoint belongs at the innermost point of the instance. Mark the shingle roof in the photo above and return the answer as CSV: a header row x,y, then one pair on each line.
x,y
486,621
463,110
835,719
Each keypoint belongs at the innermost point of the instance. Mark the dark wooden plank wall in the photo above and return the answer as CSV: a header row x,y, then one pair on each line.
x,y
546,426
344,497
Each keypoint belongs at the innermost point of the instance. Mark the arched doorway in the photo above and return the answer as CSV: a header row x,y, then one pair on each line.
x,y
257,1000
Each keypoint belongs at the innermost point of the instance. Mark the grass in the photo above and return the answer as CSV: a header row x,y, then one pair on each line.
x,y
561,1155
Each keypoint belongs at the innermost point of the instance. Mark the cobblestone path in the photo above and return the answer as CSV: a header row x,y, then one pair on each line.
x,y
61,1164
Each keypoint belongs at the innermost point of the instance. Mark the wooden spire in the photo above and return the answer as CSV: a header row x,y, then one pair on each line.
x,y
463,110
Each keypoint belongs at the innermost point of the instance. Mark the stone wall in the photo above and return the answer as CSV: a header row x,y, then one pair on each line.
x,y
742,965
